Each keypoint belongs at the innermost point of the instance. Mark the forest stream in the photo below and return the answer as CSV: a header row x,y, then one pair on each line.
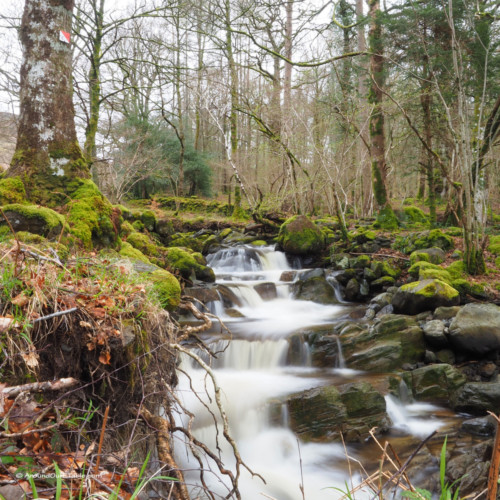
x,y
260,366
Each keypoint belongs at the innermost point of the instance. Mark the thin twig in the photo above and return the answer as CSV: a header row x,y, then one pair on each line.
x,y
53,385
56,314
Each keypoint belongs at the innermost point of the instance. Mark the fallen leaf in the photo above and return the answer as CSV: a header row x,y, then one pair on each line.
x,y
31,359
105,357
20,300
85,324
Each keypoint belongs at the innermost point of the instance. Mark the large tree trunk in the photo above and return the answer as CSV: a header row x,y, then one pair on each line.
x,y
385,216
47,155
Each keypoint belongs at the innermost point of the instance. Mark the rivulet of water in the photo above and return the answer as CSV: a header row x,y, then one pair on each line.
x,y
254,378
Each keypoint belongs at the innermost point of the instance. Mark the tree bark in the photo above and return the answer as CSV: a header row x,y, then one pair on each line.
x,y
47,155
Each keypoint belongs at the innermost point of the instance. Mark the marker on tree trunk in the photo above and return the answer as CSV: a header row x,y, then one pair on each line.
x,y
64,37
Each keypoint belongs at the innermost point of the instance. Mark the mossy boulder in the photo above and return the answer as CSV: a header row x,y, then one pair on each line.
x,y
494,246
12,191
437,383
34,219
439,274
386,219
188,241
143,243
181,260
475,330
426,295
432,255
299,236
148,218
326,413
91,217
386,346
412,216
383,268
126,229
423,240
128,251
167,288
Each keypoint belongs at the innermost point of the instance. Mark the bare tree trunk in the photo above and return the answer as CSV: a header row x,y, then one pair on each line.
x,y
47,155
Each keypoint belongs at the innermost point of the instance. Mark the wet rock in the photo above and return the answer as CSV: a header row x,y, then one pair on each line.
x,y
488,370
266,290
234,313
326,412
288,276
434,333
229,298
389,309
203,294
387,345
316,289
482,426
478,398
381,300
383,282
430,357
475,329
352,288
425,295
436,383
343,277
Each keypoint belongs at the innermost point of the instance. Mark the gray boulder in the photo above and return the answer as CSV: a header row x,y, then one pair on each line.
x,y
434,333
475,330
478,398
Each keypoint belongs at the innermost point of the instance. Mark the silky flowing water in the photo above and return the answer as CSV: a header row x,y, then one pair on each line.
x,y
253,372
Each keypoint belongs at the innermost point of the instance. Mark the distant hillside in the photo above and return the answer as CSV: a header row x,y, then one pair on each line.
x,y
8,134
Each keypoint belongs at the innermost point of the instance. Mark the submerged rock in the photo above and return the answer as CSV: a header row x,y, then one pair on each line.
x,y
317,289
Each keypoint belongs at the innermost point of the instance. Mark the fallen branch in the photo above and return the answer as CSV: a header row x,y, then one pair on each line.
x,y
38,256
189,330
56,314
52,385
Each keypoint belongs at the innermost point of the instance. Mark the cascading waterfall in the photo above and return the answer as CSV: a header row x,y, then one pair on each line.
x,y
254,376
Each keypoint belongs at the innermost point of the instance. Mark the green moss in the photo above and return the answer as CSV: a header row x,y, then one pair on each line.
x,y
360,262
497,262
383,281
126,213
167,288
437,238
225,233
128,251
383,268
414,216
83,188
148,218
188,241
138,225
143,243
126,229
12,191
189,265
417,256
386,219
421,265
430,289
457,269
494,246
90,221
439,274
454,231
423,240
298,235
39,220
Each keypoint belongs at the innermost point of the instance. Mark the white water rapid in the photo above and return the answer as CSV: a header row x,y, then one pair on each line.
x,y
253,373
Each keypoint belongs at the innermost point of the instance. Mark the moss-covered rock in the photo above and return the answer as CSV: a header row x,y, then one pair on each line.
x,y
126,229
143,243
422,240
413,216
437,383
12,191
179,259
439,274
90,216
432,255
494,246
128,251
383,268
386,219
167,288
316,289
34,219
299,236
187,241
426,295
148,218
